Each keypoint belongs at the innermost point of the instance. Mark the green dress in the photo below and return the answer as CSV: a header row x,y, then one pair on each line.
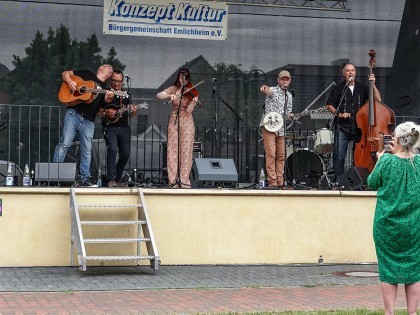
x,y
396,225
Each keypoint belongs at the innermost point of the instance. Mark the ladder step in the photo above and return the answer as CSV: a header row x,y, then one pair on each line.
x,y
112,222
119,257
136,205
116,240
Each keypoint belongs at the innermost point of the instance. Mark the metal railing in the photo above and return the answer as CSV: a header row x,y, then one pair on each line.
x,y
29,134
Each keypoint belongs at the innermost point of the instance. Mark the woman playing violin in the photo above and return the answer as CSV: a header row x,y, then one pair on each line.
x,y
183,105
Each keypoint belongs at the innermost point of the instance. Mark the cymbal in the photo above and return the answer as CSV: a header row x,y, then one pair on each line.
x,y
295,137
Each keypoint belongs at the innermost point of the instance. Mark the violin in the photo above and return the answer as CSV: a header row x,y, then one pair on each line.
x,y
190,92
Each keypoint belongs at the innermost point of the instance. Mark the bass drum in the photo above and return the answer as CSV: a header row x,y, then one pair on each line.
x,y
306,166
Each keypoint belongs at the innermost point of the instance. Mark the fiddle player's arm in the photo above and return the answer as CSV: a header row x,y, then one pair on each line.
x,y
192,104
164,95
376,93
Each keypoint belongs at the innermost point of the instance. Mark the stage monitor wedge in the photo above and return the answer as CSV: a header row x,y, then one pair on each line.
x,y
55,172
213,173
354,178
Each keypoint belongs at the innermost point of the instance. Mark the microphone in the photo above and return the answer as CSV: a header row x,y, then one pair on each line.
x,y
349,80
285,86
214,80
127,76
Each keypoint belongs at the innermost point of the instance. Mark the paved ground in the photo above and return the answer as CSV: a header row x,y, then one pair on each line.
x,y
189,289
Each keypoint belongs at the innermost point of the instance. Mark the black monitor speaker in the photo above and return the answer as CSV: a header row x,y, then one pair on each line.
x,y
55,172
213,173
354,178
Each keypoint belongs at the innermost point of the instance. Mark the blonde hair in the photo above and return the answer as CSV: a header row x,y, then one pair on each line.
x,y
407,134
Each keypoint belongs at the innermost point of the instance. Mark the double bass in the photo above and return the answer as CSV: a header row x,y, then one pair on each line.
x,y
375,120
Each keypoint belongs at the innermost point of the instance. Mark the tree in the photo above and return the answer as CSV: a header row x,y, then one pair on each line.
x,y
37,76
36,80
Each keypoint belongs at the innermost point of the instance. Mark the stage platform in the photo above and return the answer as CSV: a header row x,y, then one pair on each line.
x,y
198,226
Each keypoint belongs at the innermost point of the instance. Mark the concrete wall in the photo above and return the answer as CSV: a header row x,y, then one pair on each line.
x,y
208,226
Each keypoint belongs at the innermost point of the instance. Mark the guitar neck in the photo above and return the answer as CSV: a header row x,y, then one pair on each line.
x,y
98,91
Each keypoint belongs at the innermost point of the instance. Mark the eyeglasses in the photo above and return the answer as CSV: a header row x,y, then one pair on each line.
x,y
116,81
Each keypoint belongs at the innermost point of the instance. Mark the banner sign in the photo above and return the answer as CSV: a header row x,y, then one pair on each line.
x,y
177,19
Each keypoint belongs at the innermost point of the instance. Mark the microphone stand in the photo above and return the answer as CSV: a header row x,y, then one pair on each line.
x,y
337,127
286,166
237,119
215,118
128,79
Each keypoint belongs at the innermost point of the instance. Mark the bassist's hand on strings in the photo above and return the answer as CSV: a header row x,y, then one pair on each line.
x,y
371,77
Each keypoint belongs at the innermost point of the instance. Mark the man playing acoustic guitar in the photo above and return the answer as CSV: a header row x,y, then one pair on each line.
x,y
117,132
80,115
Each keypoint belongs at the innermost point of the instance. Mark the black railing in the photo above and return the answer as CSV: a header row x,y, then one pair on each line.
x,y
29,134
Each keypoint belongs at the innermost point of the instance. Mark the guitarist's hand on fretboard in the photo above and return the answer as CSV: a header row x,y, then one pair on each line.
x,y
133,110
109,96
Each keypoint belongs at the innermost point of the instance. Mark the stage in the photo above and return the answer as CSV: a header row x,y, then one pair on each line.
x,y
198,226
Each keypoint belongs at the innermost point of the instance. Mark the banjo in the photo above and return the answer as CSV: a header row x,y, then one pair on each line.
x,y
273,121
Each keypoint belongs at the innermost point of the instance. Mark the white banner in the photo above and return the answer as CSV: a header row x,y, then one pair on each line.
x,y
186,19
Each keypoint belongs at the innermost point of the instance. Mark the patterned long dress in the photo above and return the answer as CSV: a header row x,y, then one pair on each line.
x,y
187,133
396,226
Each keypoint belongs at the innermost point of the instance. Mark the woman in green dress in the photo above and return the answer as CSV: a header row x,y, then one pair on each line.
x,y
396,226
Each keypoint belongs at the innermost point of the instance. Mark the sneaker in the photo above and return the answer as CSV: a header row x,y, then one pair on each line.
x,y
112,183
88,183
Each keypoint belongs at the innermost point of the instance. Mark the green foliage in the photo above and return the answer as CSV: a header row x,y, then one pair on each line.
x,y
37,76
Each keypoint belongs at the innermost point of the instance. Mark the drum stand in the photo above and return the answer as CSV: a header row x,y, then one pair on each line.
x,y
295,168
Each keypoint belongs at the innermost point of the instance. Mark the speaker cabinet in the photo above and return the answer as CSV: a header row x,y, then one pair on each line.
x,y
212,173
354,178
55,172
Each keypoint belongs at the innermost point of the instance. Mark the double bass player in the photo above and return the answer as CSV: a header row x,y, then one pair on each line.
x,y
344,101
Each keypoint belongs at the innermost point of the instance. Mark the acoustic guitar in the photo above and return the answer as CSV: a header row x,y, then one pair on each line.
x,y
85,92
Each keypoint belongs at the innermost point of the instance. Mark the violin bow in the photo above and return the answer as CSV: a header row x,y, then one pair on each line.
x,y
185,92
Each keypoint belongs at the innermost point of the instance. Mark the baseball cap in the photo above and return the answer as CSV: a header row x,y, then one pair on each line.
x,y
284,73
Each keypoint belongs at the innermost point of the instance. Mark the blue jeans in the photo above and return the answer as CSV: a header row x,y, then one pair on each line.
x,y
76,124
341,143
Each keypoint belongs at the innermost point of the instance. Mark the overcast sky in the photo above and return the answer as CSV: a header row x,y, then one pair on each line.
x,y
264,37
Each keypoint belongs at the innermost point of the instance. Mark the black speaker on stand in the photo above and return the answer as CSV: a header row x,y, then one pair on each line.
x,y
354,178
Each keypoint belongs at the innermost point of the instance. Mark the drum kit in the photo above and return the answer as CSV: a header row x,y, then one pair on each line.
x,y
308,165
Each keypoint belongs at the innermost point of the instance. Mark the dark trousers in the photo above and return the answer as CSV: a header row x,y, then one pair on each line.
x,y
341,144
117,141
